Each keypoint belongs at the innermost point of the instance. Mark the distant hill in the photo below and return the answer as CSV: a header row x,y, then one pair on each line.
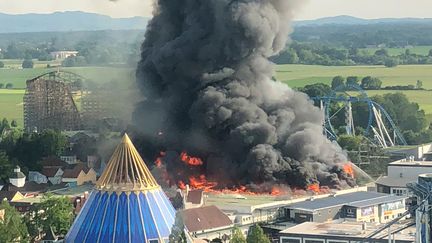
x,y
82,21
349,20
66,21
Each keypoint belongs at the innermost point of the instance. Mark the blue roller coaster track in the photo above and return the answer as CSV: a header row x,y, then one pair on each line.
x,y
341,95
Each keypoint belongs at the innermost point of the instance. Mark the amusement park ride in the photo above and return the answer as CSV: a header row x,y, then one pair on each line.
x,y
381,129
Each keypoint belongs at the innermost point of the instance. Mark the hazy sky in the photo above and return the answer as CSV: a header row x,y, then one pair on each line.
x,y
312,8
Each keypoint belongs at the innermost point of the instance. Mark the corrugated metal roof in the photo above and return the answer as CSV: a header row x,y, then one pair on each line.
x,y
375,201
337,200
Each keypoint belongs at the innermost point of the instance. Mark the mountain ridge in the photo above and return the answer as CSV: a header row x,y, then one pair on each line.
x,y
66,21
84,21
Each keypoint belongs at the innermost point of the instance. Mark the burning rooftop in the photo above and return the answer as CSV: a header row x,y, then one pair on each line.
x,y
210,104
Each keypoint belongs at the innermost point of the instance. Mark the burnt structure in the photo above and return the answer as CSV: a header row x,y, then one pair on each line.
x,y
49,102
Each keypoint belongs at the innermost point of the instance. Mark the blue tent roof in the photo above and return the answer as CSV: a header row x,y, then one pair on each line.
x,y
127,206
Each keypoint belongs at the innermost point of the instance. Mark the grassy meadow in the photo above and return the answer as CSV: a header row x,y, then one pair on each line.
x,y
11,105
301,75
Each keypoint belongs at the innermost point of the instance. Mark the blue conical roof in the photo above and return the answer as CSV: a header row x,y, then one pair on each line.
x,y
127,206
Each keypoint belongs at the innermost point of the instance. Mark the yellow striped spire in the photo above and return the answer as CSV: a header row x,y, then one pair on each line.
x,y
126,171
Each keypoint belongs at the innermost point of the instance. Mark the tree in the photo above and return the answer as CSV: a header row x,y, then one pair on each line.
x,y
419,84
371,83
12,227
6,166
352,80
55,212
14,123
31,148
74,61
350,143
407,115
237,236
27,63
178,231
391,62
337,81
4,125
381,52
1,85
316,90
1,64
9,86
256,235
430,53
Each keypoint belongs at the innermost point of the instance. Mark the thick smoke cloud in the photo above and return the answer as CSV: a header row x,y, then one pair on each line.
x,y
209,90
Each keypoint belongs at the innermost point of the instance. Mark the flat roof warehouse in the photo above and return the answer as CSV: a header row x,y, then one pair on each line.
x,y
356,199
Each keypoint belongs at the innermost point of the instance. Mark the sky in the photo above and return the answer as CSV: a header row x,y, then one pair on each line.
x,y
312,9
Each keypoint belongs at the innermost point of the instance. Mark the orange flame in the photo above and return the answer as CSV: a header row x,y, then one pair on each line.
x,y
314,187
275,191
158,160
194,161
181,185
348,169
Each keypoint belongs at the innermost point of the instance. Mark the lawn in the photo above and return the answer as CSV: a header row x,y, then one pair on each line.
x,y
301,75
11,105
18,77
294,75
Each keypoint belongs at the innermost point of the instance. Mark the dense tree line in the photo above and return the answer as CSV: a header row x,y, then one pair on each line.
x,y
28,149
319,54
361,36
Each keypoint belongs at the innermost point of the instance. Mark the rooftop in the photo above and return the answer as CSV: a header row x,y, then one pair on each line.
x,y
395,181
356,198
415,163
204,218
195,196
345,229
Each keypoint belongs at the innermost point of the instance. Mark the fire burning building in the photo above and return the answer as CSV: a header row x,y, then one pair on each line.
x,y
49,102
210,104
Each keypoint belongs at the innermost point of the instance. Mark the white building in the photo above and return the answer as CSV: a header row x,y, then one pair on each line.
x,y
17,178
401,172
63,54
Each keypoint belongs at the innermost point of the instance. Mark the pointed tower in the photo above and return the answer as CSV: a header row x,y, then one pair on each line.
x,y
127,206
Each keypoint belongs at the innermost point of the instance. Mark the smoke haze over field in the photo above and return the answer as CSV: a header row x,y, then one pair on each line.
x,y
209,91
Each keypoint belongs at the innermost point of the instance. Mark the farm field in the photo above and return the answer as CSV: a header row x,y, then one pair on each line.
x,y
301,75
294,75
18,77
11,105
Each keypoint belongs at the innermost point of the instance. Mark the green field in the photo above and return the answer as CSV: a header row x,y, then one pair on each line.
x,y
301,75
11,105
18,77
294,75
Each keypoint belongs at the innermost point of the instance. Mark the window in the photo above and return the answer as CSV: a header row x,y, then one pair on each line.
x,y
290,240
337,241
313,241
386,217
154,241
349,210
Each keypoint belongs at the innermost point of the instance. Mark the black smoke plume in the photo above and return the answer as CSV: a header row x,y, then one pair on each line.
x,y
208,90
